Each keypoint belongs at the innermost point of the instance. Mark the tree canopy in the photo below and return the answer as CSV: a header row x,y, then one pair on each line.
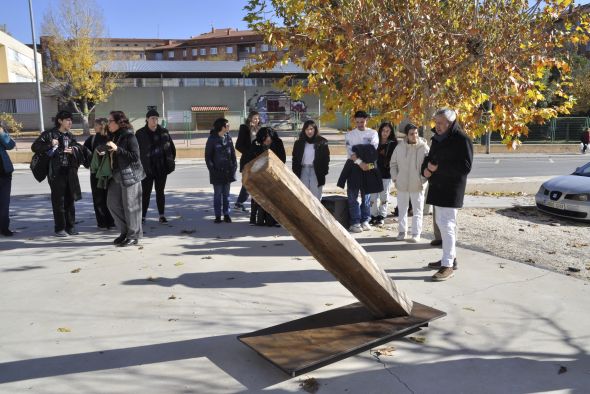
x,y
403,59
74,29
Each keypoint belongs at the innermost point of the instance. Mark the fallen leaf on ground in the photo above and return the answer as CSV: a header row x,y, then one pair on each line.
x,y
531,261
468,308
385,351
63,329
310,385
328,304
278,244
230,278
75,271
573,269
417,339
295,258
206,258
178,263
187,231
141,247
393,257
172,319
152,279
562,369
172,297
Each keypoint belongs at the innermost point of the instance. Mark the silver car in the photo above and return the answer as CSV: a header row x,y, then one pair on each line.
x,y
567,195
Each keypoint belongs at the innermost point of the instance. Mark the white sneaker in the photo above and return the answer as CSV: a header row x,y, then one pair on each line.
x,y
366,226
401,236
415,239
355,228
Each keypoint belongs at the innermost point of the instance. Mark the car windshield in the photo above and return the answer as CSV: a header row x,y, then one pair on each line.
x,y
583,171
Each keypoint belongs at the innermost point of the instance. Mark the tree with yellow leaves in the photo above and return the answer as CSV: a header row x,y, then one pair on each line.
x,y
74,71
406,58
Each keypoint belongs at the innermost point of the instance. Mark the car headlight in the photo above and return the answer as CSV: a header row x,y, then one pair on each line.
x,y
578,197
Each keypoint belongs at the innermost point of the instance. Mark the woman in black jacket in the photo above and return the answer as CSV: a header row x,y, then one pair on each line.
x,y
266,138
124,193
246,137
158,155
220,157
311,158
380,201
104,220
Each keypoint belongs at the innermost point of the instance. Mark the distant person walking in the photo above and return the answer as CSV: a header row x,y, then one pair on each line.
x,y
6,170
124,195
246,137
65,155
361,148
406,167
96,145
380,201
158,156
446,168
220,157
585,139
311,158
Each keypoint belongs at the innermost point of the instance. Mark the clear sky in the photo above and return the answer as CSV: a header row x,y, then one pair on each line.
x,y
135,18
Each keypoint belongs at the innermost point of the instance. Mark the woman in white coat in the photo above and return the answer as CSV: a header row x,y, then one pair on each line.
x,y
405,165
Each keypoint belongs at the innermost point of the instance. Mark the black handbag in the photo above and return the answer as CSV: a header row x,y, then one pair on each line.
x,y
40,166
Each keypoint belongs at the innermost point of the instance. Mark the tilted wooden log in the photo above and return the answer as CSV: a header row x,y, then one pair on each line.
x,y
278,190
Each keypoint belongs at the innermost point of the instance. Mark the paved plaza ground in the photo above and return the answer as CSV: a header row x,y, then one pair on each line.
x,y
82,316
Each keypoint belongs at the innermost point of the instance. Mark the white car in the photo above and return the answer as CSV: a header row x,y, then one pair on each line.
x,y
567,195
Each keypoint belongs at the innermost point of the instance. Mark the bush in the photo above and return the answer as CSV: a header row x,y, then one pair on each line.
x,y
13,126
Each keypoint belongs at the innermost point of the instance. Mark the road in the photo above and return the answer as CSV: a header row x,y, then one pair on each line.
x,y
193,173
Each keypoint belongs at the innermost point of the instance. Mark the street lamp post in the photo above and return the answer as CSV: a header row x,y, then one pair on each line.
x,y
41,125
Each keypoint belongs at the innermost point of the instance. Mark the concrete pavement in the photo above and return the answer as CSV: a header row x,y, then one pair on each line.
x,y
82,316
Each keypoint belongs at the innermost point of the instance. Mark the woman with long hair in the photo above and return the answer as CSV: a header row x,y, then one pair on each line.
x,y
96,145
311,158
124,195
380,201
246,137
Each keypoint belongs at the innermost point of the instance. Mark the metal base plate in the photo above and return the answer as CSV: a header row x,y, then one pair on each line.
x,y
302,345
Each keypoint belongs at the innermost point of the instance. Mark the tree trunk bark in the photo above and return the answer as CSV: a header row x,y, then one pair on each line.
x,y
281,193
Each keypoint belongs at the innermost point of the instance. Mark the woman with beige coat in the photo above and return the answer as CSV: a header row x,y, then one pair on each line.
x,y
405,165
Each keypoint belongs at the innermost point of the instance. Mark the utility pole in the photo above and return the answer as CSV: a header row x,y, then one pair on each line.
x,y
41,124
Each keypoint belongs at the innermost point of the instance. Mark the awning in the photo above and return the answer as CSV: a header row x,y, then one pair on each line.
x,y
210,108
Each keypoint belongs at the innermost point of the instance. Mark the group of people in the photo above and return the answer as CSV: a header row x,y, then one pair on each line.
x,y
376,161
124,166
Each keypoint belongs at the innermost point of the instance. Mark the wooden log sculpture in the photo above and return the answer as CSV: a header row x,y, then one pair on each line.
x,y
278,190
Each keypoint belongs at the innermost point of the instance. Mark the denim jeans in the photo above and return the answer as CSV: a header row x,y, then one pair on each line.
x,y
221,196
358,214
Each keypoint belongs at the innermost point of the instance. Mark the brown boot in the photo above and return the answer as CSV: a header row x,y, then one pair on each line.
x,y
443,274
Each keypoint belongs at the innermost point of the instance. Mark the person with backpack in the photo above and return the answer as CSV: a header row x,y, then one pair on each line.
x,y
65,156
158,155
220,157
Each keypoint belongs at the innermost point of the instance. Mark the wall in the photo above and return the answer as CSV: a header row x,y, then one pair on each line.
x,y
28,90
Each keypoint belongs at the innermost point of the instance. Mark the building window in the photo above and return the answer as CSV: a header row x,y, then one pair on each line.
x,y
253,50
170,54
159,55
213,51
184,53
8,106
264,48
202,51
229,49
194,51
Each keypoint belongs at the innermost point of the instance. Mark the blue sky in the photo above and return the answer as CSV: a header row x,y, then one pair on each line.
x,y
139,18
136,18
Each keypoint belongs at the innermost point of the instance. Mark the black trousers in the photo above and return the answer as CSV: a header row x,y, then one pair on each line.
x,y
62,201
5,186
147,185
99,198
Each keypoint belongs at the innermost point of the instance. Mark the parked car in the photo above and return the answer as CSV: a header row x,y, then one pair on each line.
x,y
567,195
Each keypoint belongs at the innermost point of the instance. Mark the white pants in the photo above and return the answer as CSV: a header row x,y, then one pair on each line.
x,y
380,201
403,199
446,219
310,181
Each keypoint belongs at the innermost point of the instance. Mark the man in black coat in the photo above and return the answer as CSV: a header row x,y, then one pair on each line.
x,y
446,167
